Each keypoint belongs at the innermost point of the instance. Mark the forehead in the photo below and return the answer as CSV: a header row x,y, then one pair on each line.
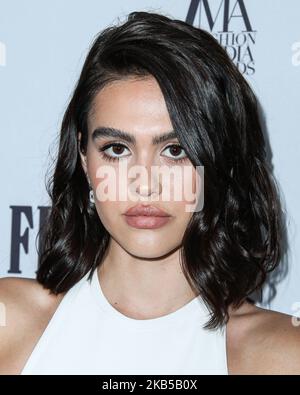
x,y
136,105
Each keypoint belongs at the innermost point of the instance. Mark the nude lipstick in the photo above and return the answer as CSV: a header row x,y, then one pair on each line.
x,y
146,217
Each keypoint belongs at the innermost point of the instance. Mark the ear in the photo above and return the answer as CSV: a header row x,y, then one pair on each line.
x,y
82,155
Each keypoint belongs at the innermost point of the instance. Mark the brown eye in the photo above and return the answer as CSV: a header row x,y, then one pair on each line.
x,y
117,149
176,151
113,151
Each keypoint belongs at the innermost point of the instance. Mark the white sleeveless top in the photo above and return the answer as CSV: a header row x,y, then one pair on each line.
x,y
87,335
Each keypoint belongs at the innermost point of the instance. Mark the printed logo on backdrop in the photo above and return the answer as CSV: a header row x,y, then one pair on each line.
x,y
296,53
22,218
229,22
2,54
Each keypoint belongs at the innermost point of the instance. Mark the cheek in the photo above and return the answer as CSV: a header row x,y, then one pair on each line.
x,y
186,196
107,181
180,189
109,215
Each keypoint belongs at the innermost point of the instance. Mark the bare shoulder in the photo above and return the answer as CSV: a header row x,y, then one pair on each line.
x,y
17,288
262,341
25,309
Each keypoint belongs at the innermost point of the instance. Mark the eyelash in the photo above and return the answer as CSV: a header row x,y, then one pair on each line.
x,y
109,158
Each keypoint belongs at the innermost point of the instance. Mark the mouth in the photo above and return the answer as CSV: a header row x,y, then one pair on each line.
x,y
146,210
146,217
146,221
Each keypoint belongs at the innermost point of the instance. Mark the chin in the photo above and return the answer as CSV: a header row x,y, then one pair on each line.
x,y
149,249
142,254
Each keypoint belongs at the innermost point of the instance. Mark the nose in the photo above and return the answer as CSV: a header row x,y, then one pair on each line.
x,y
146,190
148,182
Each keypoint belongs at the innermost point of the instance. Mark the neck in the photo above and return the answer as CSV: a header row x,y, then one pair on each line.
x,y
143,288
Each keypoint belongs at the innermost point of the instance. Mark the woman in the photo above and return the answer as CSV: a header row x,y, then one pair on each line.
x,y
143,285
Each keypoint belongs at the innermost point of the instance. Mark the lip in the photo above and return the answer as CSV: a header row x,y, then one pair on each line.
x,y
146,217
146,210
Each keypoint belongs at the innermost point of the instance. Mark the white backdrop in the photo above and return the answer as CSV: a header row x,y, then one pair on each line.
x,y
42,48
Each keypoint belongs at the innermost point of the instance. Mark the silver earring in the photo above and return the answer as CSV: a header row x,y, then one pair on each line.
x,y
91,196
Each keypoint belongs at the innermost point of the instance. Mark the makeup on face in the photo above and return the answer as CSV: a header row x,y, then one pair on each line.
x,y
145,216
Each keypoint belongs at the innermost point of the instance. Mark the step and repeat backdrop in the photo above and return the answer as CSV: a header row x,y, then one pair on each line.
x,y
42,48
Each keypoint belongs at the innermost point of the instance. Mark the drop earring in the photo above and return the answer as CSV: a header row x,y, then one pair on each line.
x,y
91,196
91,193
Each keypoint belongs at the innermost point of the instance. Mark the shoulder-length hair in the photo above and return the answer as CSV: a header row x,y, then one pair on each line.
x,y
235,240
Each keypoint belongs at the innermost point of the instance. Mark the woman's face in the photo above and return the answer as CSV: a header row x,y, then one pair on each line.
x,y
137,107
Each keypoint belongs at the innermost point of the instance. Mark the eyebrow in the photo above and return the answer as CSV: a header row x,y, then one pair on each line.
x,y
130,138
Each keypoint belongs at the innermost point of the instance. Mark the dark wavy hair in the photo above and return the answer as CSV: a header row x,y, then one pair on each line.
x,y
231,245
